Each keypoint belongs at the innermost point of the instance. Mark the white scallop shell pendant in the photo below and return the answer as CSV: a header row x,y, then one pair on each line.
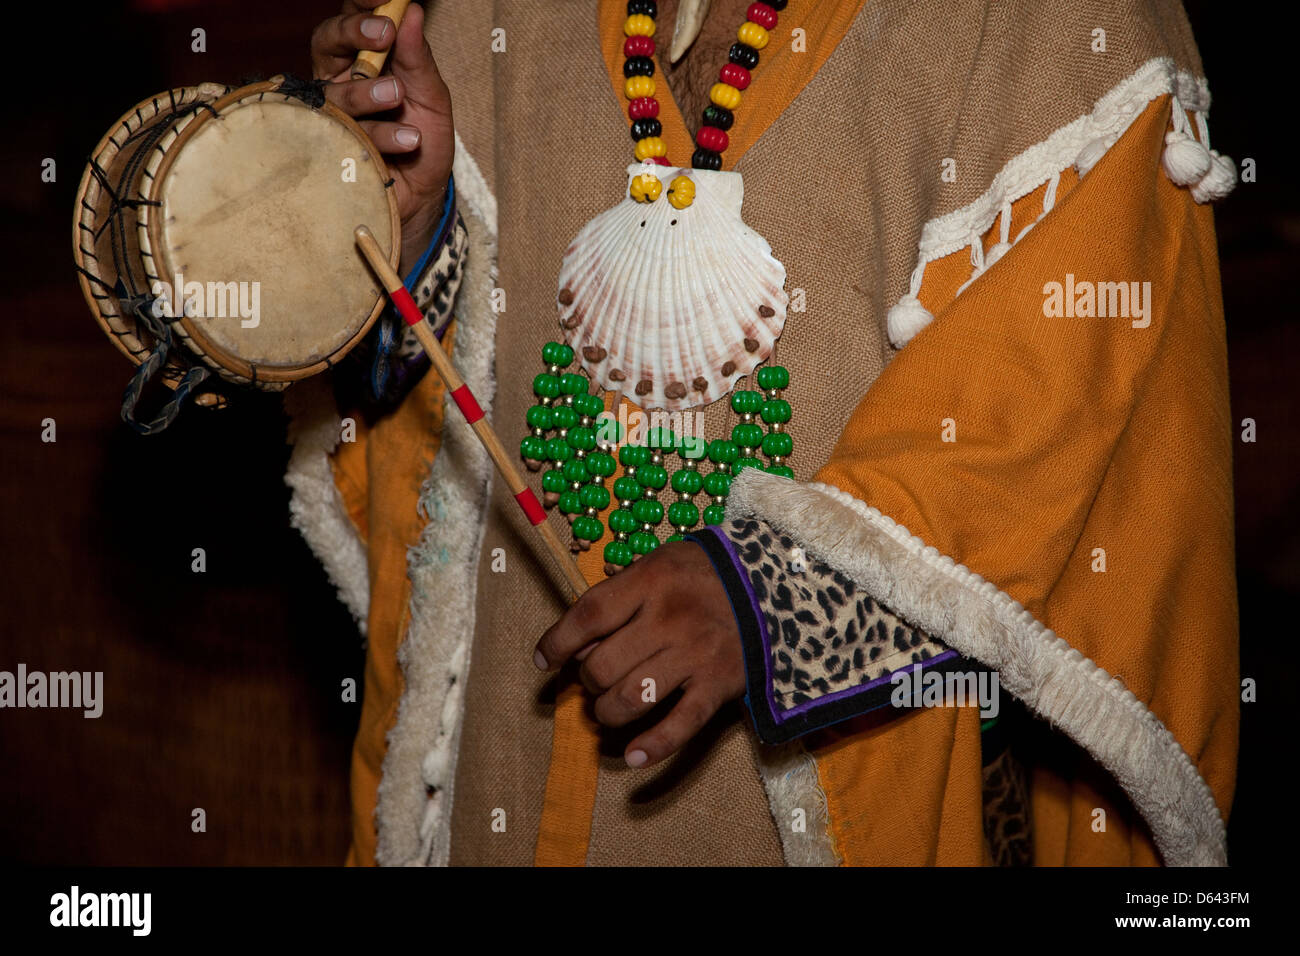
x,y
672,306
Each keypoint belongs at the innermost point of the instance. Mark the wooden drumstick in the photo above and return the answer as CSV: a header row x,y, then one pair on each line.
x,y
469,406
369,63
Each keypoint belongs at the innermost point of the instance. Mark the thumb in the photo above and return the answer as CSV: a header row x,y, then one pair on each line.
x,y
413,63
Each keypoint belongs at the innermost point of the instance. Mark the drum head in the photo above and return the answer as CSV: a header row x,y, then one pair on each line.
x,y
257,203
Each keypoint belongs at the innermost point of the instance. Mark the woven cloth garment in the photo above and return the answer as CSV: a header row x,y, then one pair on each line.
x,y
1072,434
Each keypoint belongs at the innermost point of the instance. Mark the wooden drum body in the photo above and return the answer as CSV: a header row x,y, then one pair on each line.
x,y
248,198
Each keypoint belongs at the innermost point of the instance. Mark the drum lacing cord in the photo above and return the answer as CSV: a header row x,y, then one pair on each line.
x,y
131,300
113,218
143,309
311,92
113,221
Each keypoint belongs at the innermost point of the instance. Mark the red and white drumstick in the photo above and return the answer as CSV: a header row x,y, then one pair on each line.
x,y
468,405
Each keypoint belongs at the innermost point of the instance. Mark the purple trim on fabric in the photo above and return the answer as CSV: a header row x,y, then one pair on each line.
x,y
850,691
409,370
780,715
765,642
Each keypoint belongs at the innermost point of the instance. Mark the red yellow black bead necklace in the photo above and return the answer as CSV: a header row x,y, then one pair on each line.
x,y
571,435
639,85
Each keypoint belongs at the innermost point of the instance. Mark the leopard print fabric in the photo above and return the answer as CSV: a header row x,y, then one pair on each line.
x,y
388,364
435,291
1006,811
826,634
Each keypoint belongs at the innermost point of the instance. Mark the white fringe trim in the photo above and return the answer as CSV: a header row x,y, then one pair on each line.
x,y
1081,143
413,815
315,506
789,775
982,622
415,794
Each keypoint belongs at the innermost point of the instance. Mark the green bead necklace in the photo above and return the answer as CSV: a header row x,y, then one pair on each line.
x,y
563,434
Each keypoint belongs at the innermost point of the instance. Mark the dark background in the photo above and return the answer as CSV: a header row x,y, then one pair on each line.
x,y
224,689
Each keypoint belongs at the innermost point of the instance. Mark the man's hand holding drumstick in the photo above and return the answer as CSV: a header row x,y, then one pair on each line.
x,y
667,617
415,132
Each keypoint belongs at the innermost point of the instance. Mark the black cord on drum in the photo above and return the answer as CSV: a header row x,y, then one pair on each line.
x,y
143,309
132,300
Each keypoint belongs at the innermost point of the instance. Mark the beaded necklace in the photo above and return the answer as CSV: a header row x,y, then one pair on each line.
x,y
735,76
681,300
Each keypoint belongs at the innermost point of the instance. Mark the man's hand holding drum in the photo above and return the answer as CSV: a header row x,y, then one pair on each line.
x,y
406,110
667,619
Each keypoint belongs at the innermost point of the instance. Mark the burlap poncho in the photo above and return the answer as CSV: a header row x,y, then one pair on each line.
x,y
968,154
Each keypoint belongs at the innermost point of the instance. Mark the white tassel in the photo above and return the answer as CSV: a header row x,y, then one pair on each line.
x,y
1092,151
996,252
1185,160
1219,181
906,318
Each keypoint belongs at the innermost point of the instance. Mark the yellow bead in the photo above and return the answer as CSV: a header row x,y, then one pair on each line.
x,y
753,35
638,86
639,25
645,188
681,192
650,146
725,95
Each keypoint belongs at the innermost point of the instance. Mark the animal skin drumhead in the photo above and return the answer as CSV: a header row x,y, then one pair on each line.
x,y
257,216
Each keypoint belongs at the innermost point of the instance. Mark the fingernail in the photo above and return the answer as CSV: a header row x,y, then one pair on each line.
x,y
407,136
385,91
582,654
636,758
374,27
540,660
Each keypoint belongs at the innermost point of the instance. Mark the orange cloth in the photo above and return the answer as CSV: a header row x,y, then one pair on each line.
x,y
381,494
565,829
1072,434
905,790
